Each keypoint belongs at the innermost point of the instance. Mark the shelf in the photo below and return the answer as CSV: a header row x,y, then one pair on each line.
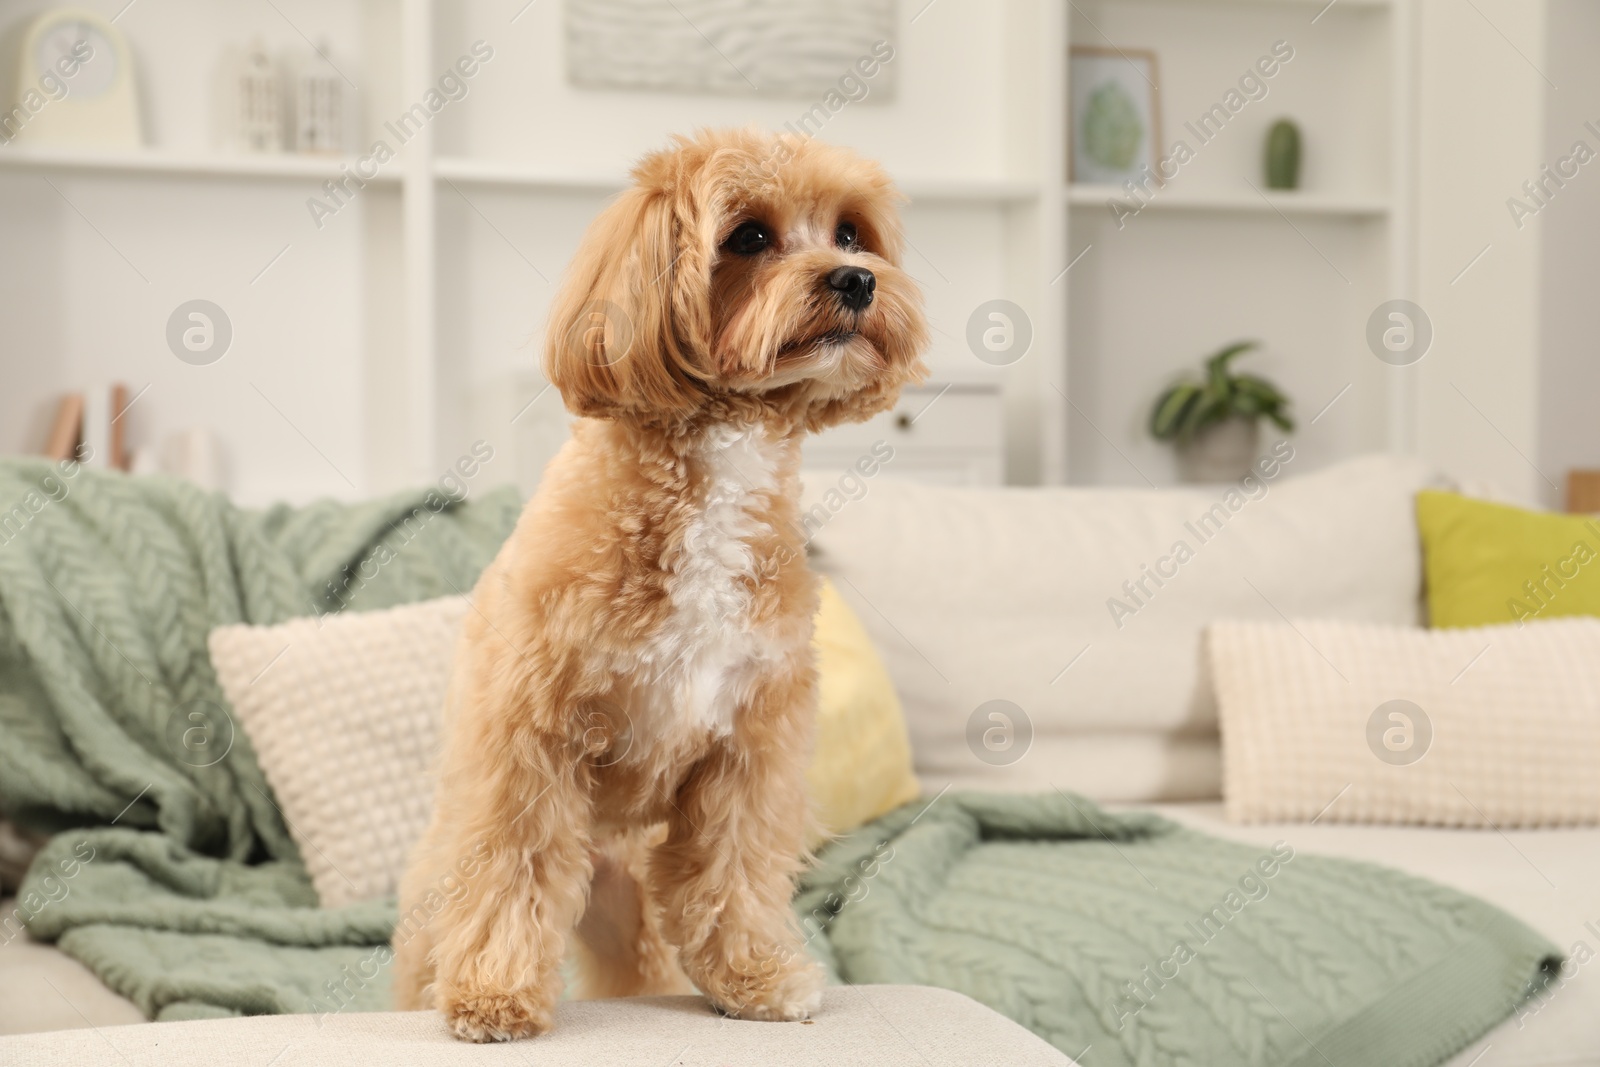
x,y
524,176
464,171
1245,201
270,167
517,175
1314,4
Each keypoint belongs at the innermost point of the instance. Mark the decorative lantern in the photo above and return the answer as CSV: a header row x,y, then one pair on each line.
x,y
249,101
318,104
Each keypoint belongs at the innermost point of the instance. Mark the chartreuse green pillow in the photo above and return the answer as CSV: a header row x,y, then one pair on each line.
x,y
1488,564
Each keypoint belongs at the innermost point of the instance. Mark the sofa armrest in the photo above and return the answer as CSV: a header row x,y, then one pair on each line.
x,y
865,1026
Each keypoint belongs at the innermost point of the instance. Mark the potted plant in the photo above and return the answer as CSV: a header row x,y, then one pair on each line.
x,y
1215,423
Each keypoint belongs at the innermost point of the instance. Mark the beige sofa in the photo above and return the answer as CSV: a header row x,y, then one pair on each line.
x,y
972,596
863,1026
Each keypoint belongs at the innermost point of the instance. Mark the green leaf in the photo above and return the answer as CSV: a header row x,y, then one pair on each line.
x,y
1259,387
1168,416
1265,400
1217,366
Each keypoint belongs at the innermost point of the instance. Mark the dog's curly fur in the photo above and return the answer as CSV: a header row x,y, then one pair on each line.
x,y
630,717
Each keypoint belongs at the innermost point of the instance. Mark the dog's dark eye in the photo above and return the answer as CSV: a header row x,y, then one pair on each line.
x,y
749,239
845,236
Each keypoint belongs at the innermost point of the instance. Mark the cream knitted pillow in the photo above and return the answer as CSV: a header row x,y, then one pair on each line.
x,y
343,712
1350,722
345,716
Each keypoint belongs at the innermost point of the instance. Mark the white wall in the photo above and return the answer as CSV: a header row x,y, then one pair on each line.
x,y
942,121
1569,331
1482,134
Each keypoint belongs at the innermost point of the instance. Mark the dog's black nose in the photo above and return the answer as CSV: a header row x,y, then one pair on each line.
x,y
855,286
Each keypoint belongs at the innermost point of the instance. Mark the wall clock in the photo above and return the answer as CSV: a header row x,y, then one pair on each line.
x,y
75,83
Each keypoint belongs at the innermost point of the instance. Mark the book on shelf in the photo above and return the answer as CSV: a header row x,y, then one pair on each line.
x,y
89,427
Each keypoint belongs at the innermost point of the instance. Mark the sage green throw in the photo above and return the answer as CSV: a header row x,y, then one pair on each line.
x,y
175,879
1155,944
188,895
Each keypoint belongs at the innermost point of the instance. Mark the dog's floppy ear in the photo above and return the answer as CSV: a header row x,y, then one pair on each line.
x,y
624,329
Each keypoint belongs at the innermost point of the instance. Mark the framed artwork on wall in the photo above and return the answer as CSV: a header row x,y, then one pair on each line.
x,y
1115,114
795,48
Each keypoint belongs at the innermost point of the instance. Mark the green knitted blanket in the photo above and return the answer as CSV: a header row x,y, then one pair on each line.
x,y
180,885
1154,944
181,888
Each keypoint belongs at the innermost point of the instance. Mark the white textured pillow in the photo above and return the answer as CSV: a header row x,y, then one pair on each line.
x,y
979,595
1491,727
344,714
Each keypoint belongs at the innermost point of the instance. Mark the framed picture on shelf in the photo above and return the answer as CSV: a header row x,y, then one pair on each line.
x,y
1115,100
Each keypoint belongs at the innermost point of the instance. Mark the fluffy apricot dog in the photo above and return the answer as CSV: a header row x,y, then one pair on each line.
x,y
631,712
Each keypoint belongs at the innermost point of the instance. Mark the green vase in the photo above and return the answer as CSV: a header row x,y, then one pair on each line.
x,y
1283,155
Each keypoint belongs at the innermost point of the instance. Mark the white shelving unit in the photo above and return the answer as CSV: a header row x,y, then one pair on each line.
x,y
175,164
1300,271
392,336
1246,200
523,176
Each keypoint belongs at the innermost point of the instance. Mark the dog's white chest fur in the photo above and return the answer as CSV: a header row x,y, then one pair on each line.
x,y
700,667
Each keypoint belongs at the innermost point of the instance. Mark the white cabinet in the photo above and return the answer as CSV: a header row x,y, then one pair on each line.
x,y
943,433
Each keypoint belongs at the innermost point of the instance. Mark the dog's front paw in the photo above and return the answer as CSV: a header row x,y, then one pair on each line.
x,y
486,1016
792,993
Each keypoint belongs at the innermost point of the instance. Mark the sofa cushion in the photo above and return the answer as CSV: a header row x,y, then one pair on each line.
x,y
1352,722
343,712
1490,563
1080,611
862,763
1550,879
42,988
863,1026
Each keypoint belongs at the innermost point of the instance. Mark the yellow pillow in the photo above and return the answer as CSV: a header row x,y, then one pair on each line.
x,y
862,764
1488,564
